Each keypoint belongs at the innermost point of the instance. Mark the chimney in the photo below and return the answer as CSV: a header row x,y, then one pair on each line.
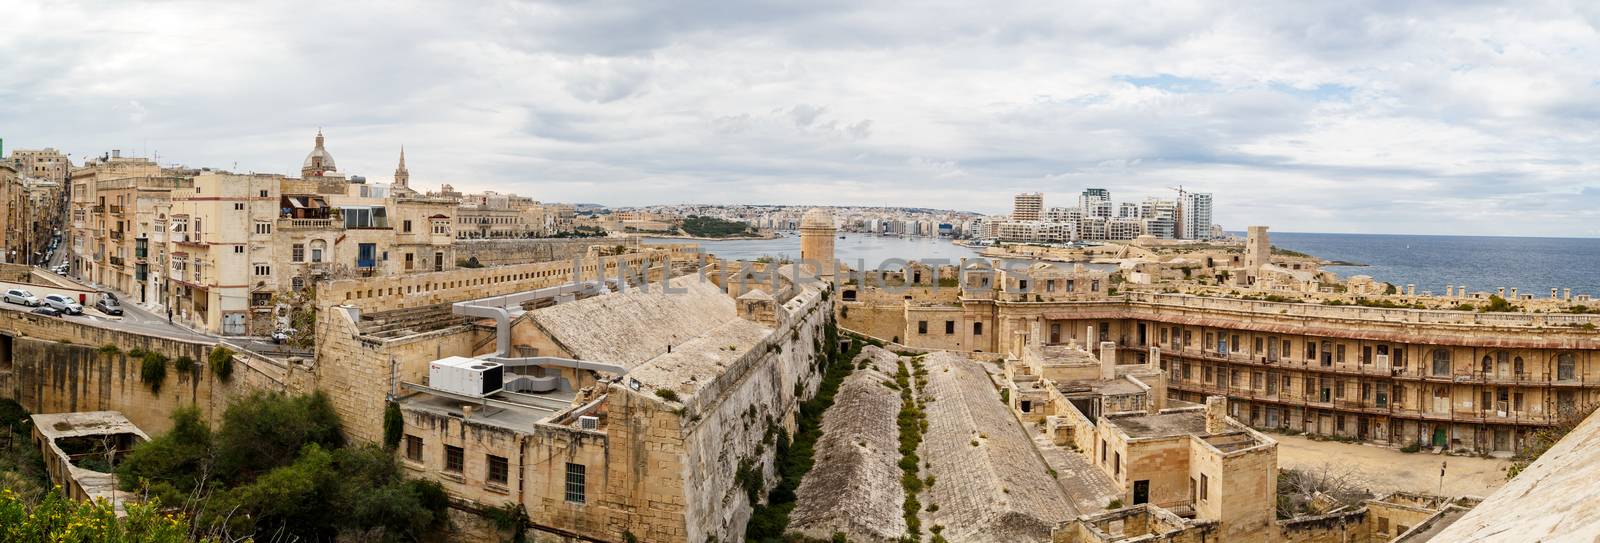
x,y
1216,414
1461,291
1555,293
1513,293
1108,360
1501,292
1449,291
1566,294
1411,289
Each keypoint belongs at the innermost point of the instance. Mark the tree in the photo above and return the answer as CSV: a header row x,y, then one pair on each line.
x,y
173,465
58,518
267,429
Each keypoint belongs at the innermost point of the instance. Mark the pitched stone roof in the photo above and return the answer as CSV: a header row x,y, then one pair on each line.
x,y
634,326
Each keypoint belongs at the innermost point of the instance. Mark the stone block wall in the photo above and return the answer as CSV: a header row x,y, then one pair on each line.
x,y
504,252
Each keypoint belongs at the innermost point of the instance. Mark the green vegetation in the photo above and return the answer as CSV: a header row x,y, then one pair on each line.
x,y
911,421
393,425
1497,305
712,227
1280,251
1546,437
582,232
109,350
153,370
1114,504
221,361
794,458
667,394
58,518
277,466
184,364
21,466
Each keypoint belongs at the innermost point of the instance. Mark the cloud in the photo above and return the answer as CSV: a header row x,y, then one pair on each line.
x,y
1429,117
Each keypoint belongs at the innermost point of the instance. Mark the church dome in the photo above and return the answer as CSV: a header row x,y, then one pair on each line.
x,y
816,218
319,160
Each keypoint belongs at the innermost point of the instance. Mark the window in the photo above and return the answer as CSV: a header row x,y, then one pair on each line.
x,y
922,327
263,228
238,249
949,327
238,207
1441,362
1205,487
410,260
575,483
498,469
405,227
263,269
977,328
413,448
1566,366
1339,353
297,283
453,459
1311,350
262,194
299,252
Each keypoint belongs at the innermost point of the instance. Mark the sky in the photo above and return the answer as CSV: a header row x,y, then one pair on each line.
x,y
1353,116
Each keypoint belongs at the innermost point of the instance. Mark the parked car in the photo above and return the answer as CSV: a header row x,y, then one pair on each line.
x,y
64,304
61,270
109,306
47,311
22,297
283,334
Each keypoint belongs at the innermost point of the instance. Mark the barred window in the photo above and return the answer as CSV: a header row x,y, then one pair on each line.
x,y
497,469
452,459
575,483
414,448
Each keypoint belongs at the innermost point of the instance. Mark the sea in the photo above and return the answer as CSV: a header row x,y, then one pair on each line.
x,y
1482,263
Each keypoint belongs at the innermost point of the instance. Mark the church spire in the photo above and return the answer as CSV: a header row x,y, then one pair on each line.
x,y
402,177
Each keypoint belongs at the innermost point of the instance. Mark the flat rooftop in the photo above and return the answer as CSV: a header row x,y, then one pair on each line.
x,y
1164,424
508,410
87,423
1066,354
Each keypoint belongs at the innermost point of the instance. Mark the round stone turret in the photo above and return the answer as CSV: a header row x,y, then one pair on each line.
x,y
816,241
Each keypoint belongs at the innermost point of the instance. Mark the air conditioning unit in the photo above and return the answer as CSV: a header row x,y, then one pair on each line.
x,y
466,376
588,423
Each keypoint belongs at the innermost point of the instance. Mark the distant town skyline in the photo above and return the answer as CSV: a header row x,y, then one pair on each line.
x,y
1419,117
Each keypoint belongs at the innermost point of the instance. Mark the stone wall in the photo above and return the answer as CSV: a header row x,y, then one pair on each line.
x,y
504,252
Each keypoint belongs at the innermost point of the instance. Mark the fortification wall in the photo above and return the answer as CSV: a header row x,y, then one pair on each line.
x,y
504,252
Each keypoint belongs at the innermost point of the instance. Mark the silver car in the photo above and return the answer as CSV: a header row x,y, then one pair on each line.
x,y
64,304
22,297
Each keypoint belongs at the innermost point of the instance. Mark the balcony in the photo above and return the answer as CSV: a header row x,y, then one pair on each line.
x,y
116,209
115,261
305,224
97,209
117,235
366,264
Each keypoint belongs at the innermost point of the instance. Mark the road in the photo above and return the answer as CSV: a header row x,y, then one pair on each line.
x,y
133,320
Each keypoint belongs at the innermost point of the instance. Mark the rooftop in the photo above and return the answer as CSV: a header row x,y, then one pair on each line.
x,y
1167,423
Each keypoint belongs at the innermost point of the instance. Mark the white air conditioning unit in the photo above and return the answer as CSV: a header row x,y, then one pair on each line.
x,y
588,422
466,376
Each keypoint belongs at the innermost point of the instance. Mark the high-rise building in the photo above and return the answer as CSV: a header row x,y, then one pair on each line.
x,y
1027,206
1194,215
1095,203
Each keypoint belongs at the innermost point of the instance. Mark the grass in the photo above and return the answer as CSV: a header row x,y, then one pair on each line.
x,y
795,458
911,421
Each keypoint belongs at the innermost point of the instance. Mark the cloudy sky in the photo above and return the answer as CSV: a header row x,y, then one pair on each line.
x,y
1404,117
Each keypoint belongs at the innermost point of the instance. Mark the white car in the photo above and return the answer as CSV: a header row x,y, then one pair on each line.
x,y
63,303
22,297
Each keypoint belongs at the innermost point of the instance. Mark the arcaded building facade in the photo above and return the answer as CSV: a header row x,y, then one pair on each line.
x,y
1461,380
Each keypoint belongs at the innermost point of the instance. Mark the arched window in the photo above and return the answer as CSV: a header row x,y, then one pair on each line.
x,y
1488,364
1441,362
1566,366
1516,365
318,249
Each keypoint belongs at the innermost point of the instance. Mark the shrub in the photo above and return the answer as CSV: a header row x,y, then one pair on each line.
x,y
153,370
221,361
109,350
1411,448
184,364
393,425
266,430
59,518
1114,504
667,394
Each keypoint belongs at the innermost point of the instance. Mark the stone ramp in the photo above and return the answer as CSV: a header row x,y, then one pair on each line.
x,y
997,490
854,485
1089,488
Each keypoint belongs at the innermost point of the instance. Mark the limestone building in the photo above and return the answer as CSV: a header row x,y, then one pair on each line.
x,y
597,438
1442,379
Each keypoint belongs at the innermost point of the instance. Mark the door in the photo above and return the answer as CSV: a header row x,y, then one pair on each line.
x,y
233,324
1141,492
1438,436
